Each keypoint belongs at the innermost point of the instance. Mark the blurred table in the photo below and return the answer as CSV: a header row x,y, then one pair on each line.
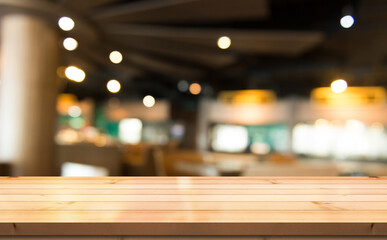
x,y
315,167
203,207
297,168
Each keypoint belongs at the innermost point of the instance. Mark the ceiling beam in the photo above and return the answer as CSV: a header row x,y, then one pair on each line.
x,y
246,41
175,71
164,11
179,51
87,4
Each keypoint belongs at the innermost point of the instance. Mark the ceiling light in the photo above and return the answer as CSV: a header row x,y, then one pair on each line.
x,y
224,42
70,44
339,86
75,74
113,86
347,21
195,88
74,111
115,57
66,23
149,101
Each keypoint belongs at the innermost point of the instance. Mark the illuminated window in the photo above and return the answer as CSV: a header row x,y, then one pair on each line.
x,y
130,130
228,138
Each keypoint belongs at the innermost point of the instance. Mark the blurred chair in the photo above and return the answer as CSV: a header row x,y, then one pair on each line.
x,y
109,157
230,167
143,160
195,169
231,164
276,157
5,169
187,163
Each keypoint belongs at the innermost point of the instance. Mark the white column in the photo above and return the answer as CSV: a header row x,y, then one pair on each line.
x,y
28,89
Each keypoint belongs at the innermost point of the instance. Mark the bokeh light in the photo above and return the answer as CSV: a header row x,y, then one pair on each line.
x,y
75,74
224,42
339,86
195,88
182,85
113,86
66,23
74,111
115,57
149,101
70,44
347,21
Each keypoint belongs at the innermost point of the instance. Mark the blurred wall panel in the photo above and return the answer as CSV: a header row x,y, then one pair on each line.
x,y
29,59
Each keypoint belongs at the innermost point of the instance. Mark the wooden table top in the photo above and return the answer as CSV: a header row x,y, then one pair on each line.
x,y
193,206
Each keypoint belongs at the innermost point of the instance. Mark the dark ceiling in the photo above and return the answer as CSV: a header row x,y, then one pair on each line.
x,y
289,46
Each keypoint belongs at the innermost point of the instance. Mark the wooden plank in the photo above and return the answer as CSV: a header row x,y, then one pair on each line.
x,y
324,238
126,191
194,216
195,186
194,238
69,238
193,206
195,229
143,238
194,198
203,180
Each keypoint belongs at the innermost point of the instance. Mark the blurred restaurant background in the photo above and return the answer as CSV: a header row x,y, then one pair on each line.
x,y
193,87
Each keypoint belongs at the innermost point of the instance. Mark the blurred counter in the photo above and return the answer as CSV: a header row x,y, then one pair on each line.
x,y
170,161
316,167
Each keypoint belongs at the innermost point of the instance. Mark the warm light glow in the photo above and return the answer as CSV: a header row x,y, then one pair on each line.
x,y
339,86
60,71
77,123
115,57
377,126
149,101
321,122
224,42
347,21
113,86
195,88
352,96
229,138
129,130
74,111
351,140
64,102
66,23
260,148
182,85
251,96
70,44
70,169
75,74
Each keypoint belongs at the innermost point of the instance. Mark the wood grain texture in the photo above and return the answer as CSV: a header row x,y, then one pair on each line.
x,y
207,206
